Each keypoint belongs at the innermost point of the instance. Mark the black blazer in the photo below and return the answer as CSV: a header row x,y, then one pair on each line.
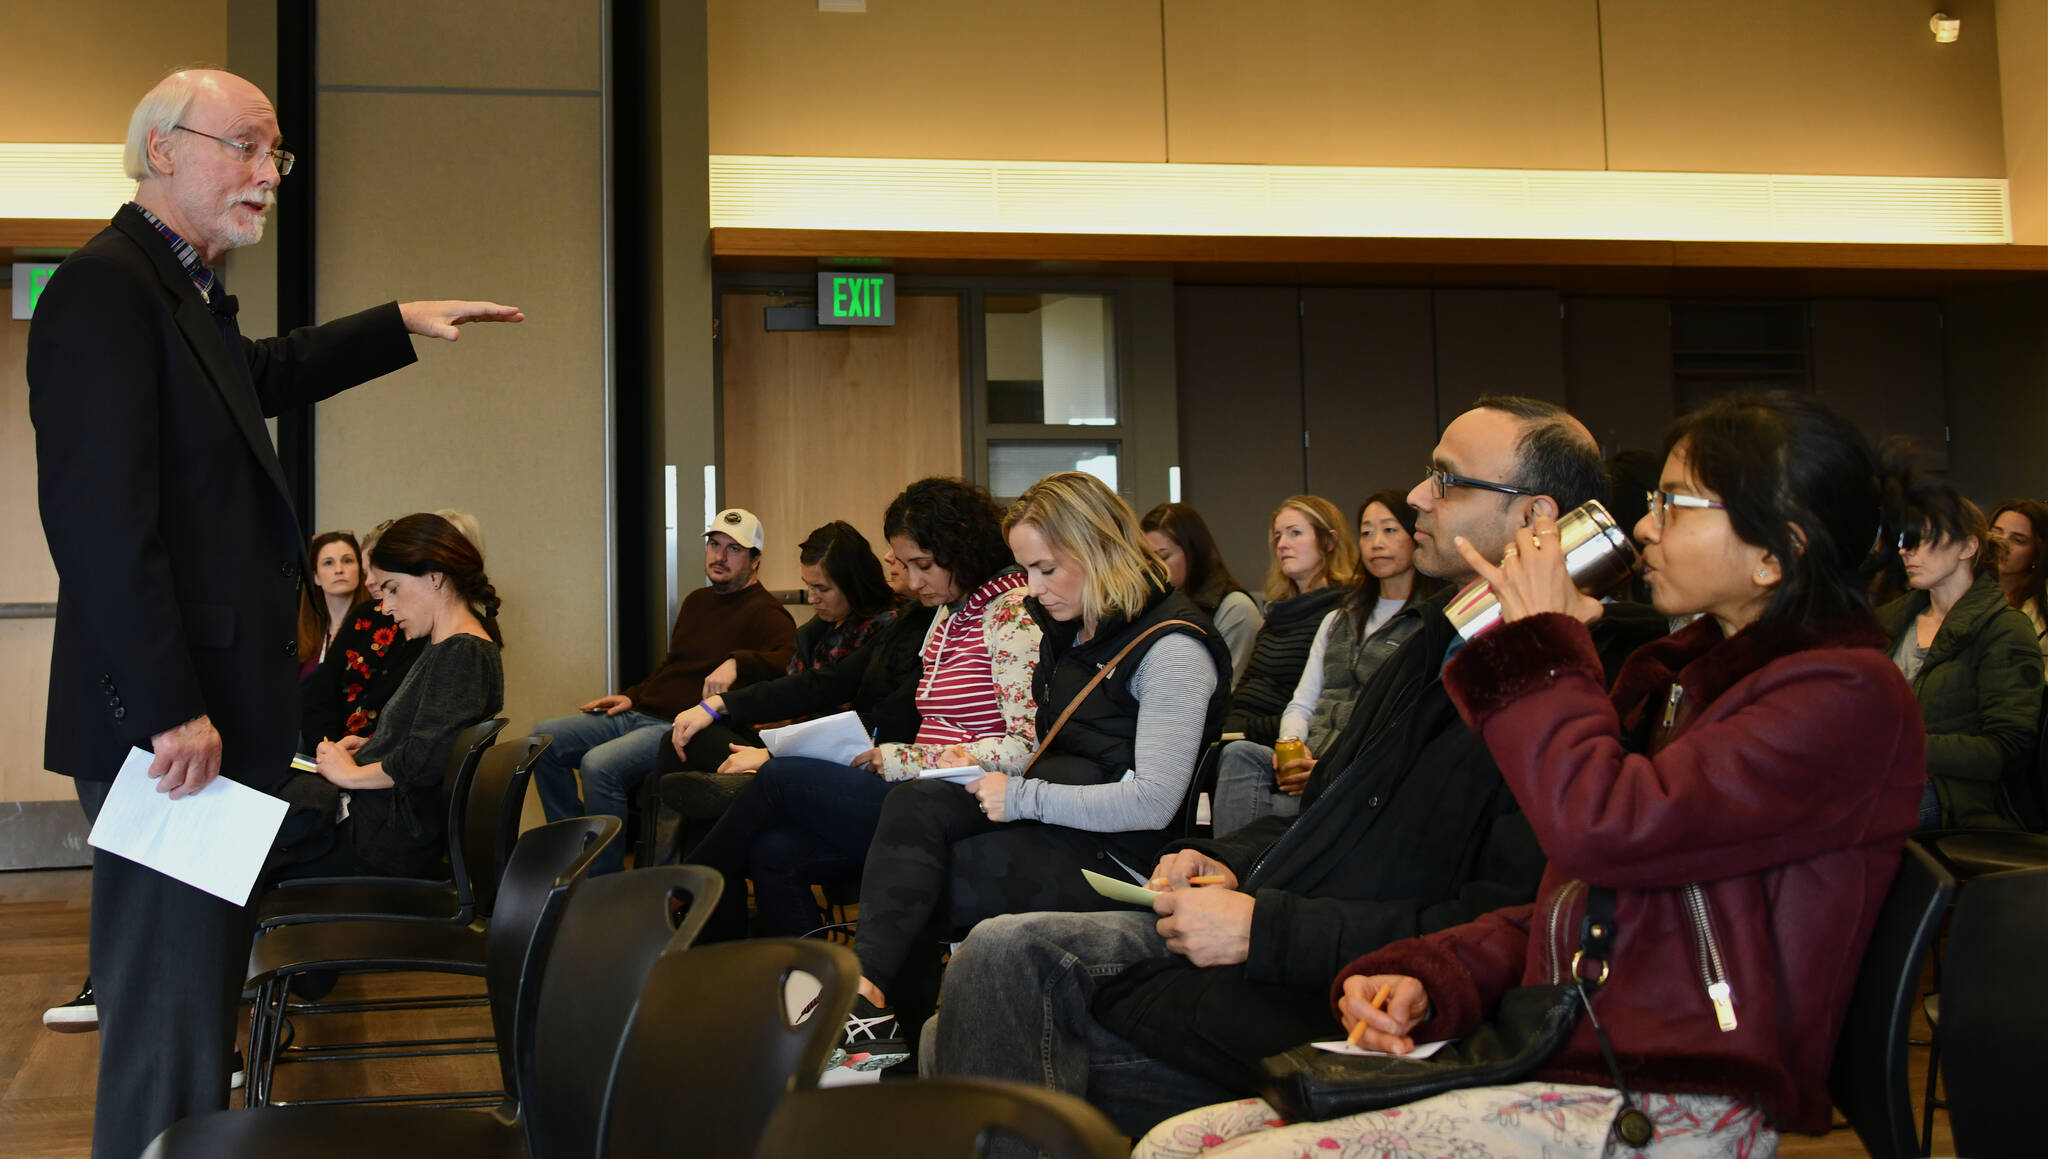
x,y
178,557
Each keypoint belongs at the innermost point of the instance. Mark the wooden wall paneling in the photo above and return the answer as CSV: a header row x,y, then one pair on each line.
x,y
1369,390
29,578
1880,363
1496,342
1998,390
1617,356
831,424
1238,349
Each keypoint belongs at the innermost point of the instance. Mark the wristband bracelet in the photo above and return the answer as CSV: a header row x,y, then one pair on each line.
x,y
706,706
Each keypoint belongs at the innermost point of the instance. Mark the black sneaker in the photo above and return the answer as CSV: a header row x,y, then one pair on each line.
x,y
870,1041
77,1016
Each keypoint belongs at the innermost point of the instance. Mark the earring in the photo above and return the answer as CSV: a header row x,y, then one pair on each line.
x,y
1762,573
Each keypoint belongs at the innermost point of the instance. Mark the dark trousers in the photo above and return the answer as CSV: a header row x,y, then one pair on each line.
x,y
938,865
167,964
802,822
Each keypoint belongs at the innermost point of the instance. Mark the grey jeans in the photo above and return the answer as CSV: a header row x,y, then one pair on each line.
x,y
1244,788
1015,1006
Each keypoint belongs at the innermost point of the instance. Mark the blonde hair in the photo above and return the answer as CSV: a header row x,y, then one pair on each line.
x,y
160,110
1338,543
1082,518
467,525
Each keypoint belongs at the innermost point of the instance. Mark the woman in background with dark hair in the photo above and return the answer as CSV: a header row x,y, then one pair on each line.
x,y
1738,805
1180,537
334,561
1349,647
1971,657
2022,524
805,820
364,666
430,579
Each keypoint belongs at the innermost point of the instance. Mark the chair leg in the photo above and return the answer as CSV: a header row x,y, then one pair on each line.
x,y
1927,1112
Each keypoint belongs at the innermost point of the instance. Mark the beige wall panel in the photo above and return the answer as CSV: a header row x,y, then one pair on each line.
x,y
1380,82
508,423
75,70
24,698
832,424
1065,80
2023,79
526,44
27,576
1821,86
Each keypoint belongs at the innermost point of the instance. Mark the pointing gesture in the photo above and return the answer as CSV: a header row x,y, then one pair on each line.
x,y
440,319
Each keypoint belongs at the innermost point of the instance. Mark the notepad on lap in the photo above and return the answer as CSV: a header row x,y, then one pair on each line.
x,y
837,738
1422,1049
1122,891
215,840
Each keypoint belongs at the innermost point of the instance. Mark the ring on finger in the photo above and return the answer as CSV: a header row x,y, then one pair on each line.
x,y
1511,552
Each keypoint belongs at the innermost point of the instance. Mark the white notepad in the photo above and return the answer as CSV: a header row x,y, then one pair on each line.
x,y
215,839
1422,1049
837,738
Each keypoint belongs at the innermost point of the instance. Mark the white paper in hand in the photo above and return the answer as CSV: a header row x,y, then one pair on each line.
x,y
1422,1049
215,839
837,738
959,776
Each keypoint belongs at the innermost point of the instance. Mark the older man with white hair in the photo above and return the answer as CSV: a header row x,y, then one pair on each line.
x,y
179,557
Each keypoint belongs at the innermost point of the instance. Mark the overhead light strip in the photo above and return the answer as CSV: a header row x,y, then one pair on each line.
x,y
62,182
854,193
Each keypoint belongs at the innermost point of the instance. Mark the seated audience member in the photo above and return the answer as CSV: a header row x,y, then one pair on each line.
x,y
465,523
1181,538
363,667
852,606
430,580
613,740
1351,643
1972,659
334,564
1411,833
805,820
1315,561
1738,804
2023,525
1130,682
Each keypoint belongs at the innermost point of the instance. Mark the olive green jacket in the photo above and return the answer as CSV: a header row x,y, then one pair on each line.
x,y
1980,698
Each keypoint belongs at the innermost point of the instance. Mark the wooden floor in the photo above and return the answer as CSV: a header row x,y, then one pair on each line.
x,y
46,1079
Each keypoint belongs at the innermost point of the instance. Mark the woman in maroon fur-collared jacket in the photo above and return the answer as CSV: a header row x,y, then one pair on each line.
x,y
1745,793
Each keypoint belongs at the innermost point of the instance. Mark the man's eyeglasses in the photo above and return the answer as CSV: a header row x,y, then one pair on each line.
x,y
1659,500
1443,481
251,153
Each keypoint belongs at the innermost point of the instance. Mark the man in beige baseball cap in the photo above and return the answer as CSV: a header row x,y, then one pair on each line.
x,y
728,633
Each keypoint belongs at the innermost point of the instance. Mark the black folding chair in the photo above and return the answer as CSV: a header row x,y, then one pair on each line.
x,y
1994,1014
942,1119
1868,1078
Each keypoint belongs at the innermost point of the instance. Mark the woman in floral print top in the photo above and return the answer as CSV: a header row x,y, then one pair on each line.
x,y
365,665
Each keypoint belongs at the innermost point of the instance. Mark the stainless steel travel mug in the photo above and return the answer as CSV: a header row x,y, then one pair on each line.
x,y
1597,553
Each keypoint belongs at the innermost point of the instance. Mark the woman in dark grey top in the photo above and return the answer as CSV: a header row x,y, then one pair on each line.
x,y
388,814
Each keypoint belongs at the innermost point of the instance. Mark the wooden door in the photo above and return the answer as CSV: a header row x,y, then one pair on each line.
x,y
831,424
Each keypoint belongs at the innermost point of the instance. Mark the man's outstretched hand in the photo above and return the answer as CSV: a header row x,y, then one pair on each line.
x,y
440,319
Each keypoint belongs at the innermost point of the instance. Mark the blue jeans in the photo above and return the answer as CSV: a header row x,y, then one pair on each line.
x,y
613,752
1015,1005
1244,789
802,822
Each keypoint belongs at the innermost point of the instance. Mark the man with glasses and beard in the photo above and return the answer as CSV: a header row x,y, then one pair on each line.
x,y
729,633
178,556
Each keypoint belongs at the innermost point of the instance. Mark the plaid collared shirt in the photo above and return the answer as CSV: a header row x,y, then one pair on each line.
x,y
183,251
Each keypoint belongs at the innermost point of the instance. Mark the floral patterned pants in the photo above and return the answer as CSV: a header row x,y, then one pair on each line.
x,y
1552,1120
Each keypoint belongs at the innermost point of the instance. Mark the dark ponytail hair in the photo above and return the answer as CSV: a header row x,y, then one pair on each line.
x,y
1801,482
423,543
850,561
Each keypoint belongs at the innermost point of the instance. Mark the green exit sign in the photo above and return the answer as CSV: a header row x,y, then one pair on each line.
x,y
29,280
856,299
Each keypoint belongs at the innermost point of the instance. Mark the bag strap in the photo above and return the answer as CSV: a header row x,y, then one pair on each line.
x,y
1046,741
1596,942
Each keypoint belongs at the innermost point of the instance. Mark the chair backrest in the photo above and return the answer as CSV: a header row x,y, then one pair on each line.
x,y
942,1119
1994,1013
543,871
610,934
712,1032
464,754
1868,1078
490,819
1204,781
